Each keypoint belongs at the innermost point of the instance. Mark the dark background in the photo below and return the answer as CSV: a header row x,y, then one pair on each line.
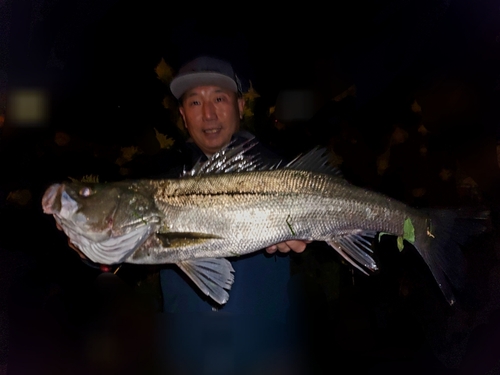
x,y
96,61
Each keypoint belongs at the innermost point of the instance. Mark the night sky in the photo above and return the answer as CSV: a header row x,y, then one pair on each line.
x,y
97,56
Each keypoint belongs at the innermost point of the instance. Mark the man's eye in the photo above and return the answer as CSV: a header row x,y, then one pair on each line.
x,y
195,102
219,99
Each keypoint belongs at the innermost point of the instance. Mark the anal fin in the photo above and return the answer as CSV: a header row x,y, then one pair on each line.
x,y
356,249
212,275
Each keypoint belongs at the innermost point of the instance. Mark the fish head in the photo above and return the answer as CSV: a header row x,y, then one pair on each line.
x,y
106,222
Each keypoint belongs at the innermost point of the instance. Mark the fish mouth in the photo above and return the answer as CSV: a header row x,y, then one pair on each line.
x,y
50,204
56,201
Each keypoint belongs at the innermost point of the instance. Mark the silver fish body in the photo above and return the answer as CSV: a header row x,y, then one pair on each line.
x,y
199,220
240,213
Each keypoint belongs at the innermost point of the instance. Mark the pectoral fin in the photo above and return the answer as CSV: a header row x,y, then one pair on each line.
x,y
211,275
356,249
182,239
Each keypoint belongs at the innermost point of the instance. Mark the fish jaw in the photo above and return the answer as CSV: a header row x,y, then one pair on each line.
x,y
106,239
105,249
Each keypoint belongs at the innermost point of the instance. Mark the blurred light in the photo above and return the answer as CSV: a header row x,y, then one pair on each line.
x,y
296,105
27,107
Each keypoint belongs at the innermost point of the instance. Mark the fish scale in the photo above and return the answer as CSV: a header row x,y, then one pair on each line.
x,y
248,211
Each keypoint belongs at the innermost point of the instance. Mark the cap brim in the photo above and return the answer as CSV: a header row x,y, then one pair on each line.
x,y
183,83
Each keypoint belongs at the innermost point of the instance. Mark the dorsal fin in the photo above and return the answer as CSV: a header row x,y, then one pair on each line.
x,y
236,159
230,159
316,160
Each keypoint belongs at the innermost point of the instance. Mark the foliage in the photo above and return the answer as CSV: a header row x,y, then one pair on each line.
x,y
164,141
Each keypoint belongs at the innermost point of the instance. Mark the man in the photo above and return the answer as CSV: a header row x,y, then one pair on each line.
x,y
211,105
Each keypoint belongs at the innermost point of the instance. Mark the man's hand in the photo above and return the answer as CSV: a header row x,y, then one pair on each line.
x,y
296,246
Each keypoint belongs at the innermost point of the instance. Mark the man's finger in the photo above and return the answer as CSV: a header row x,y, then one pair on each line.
x,y
271,249
296,246
283,247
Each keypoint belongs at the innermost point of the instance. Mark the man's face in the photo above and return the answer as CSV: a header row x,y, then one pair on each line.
x,y
211,115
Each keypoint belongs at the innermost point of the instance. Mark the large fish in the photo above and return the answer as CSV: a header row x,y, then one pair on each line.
x,y
233,205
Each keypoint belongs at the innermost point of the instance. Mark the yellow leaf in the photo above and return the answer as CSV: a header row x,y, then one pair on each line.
x,y
170,103
351,91
164,141
383,162
422,129
468,182
61,138
120,161
415,107
19,197
423,151
335,159
338,98
398,136
124,171
445,174
248,112
418,192
498,155
251,94
127,155
279,125
164,72
180,125
129,152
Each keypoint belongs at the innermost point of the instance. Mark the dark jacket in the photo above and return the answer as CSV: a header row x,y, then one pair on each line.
x,y
251,325
260,285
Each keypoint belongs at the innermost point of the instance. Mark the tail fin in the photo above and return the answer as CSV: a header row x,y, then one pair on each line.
x,y
440,245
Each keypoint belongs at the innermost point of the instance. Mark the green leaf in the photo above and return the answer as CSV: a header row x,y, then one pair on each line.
x,y
408,234
400,243
409,231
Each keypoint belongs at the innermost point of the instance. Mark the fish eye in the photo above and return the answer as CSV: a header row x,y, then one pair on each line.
x,y
85,191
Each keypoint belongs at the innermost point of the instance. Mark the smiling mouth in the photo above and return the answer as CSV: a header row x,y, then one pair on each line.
x,y
212,131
